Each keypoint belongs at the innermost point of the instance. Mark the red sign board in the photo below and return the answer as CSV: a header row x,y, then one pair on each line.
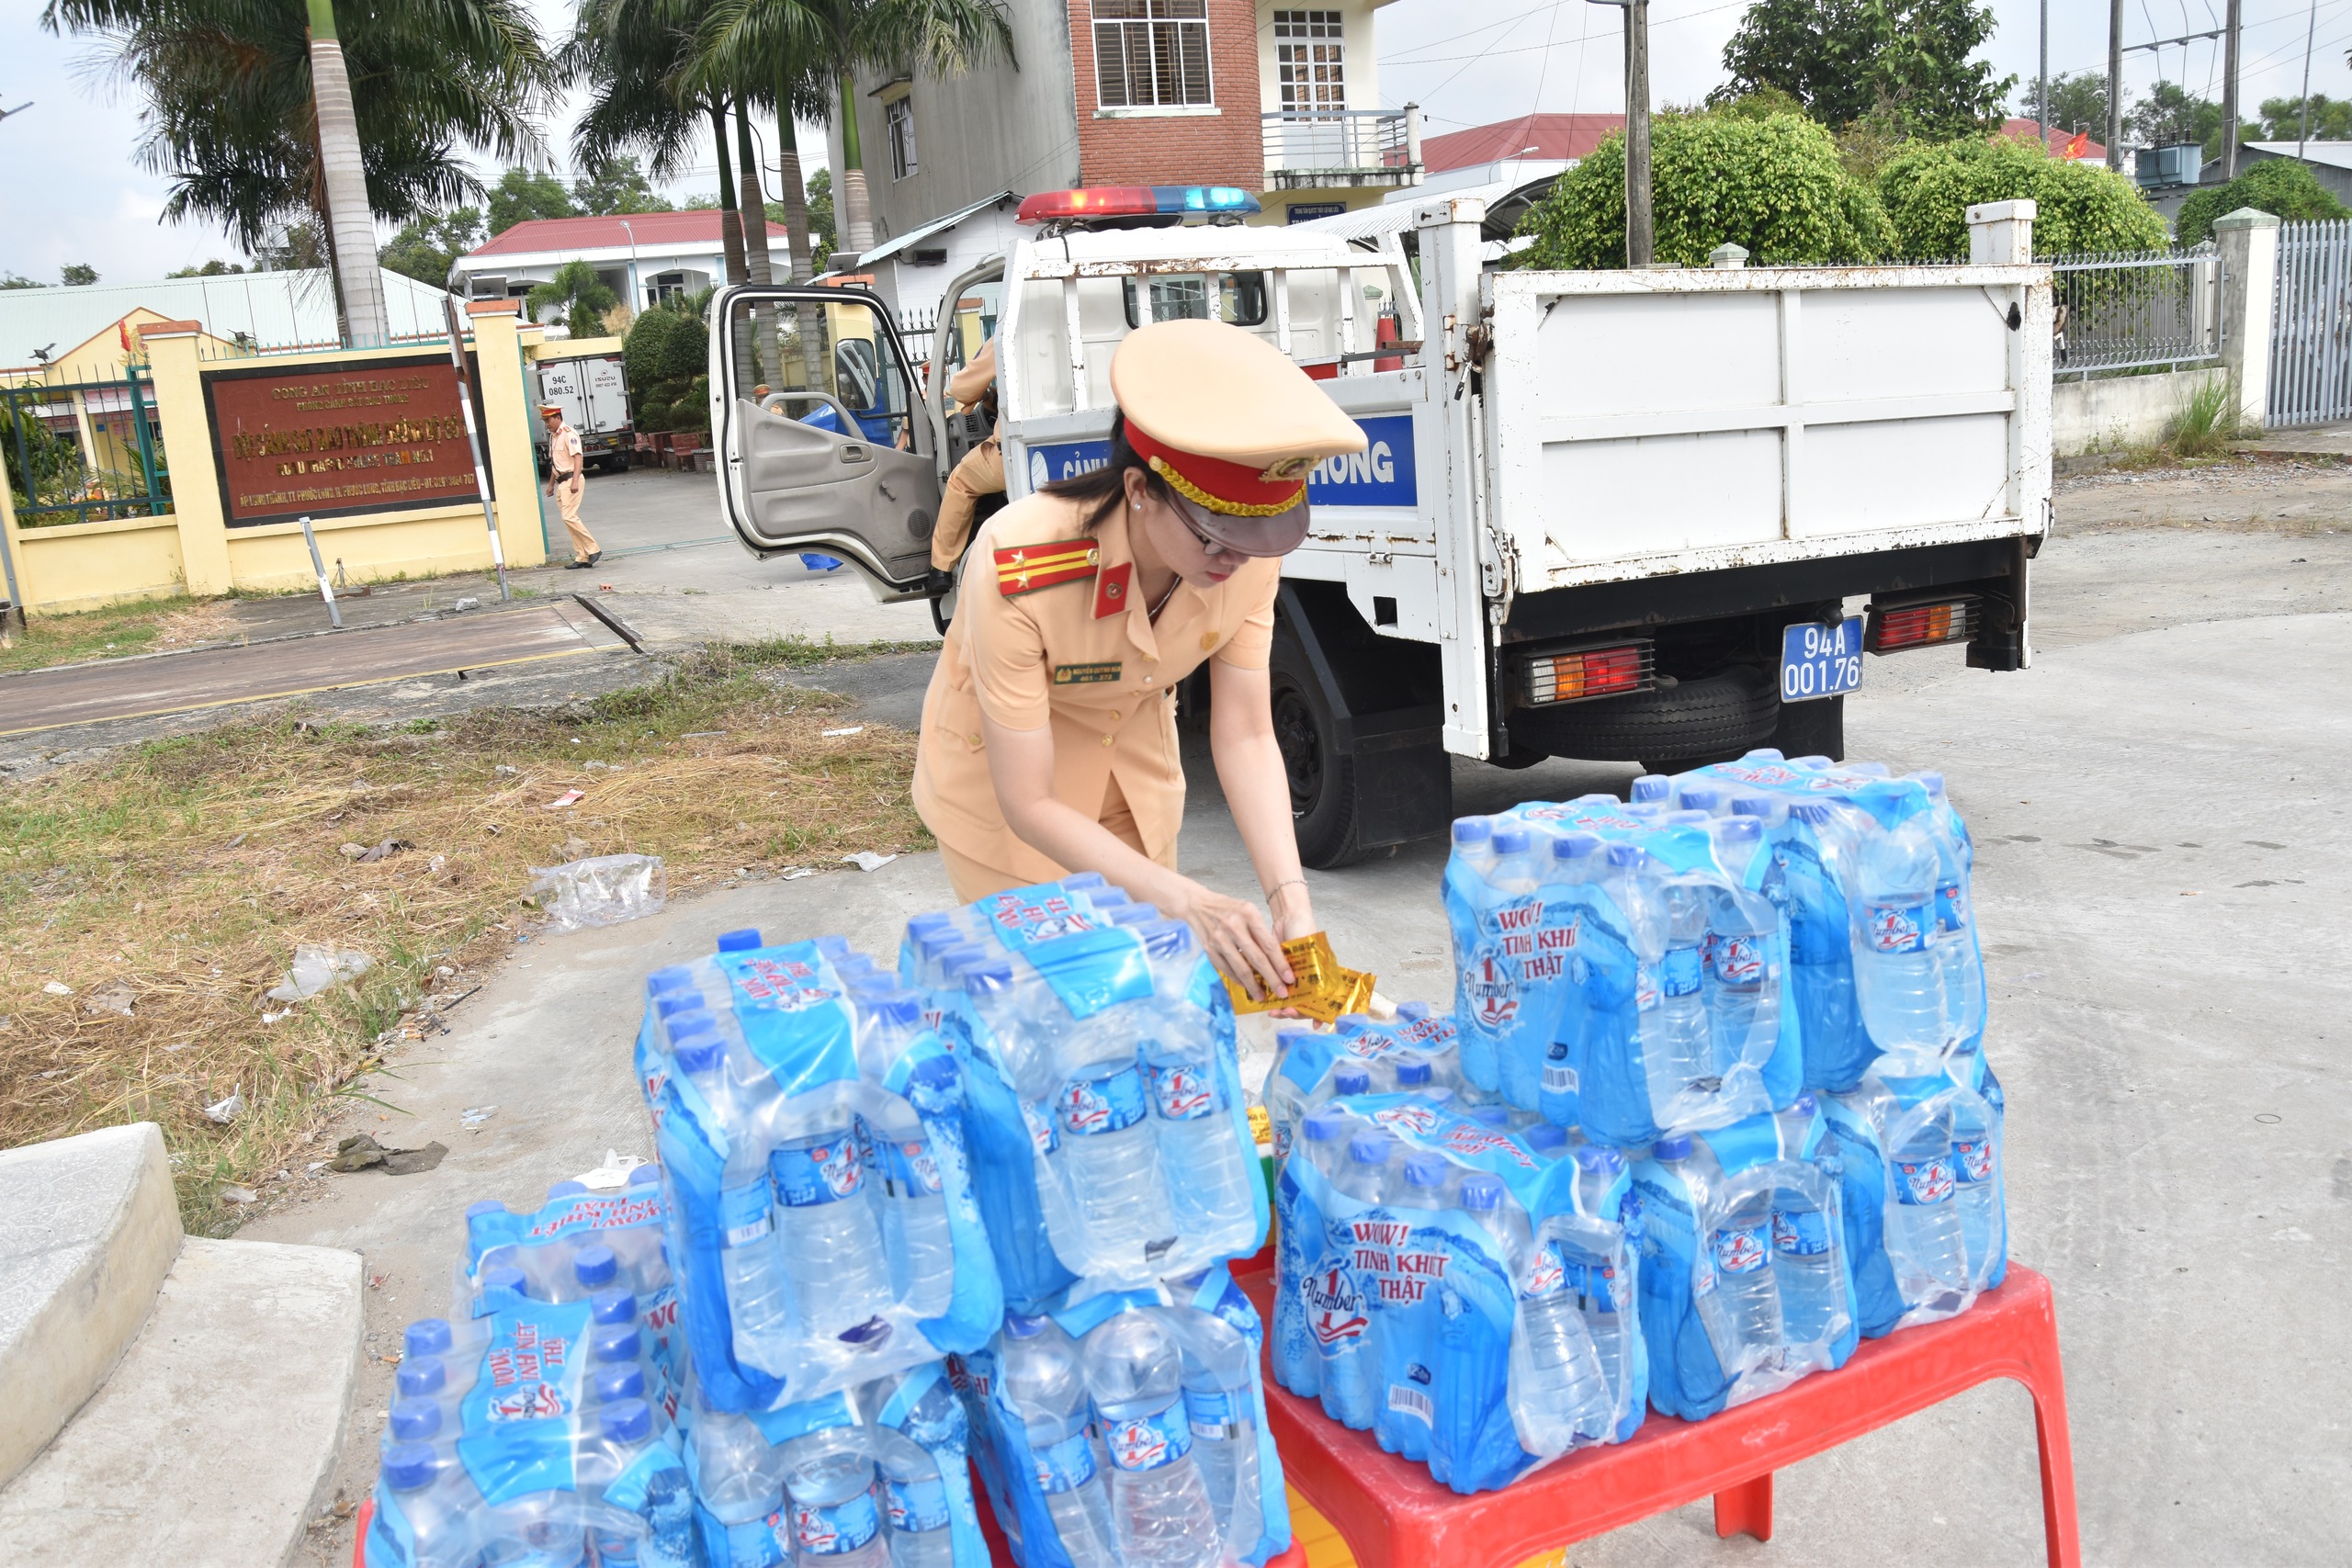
x,y
375,435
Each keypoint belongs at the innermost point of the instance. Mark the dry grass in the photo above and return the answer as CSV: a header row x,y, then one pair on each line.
x,y
187,870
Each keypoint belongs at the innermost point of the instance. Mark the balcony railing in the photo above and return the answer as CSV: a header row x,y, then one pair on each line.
x,y
1343,147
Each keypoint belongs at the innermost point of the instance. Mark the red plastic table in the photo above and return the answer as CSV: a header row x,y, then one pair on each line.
x,y
1393,1516
1001,1552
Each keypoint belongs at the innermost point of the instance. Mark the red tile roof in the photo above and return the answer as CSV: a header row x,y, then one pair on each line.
x,y
699,227
2058,141
1575,135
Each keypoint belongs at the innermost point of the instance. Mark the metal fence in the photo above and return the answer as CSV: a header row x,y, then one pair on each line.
x,y
84,451
2133,310
2310,325
1356,146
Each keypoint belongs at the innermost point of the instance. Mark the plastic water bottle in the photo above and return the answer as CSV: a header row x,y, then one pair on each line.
x,y
1899,979
1745,1006
1110,1153
1669,931
1976,1167
1406,1416
1195,1123
1604,1295
738,1478
439,1501
1566,1395
1738,1298
1219,1404
1955,947
1514,872
624,1433
1045,1387
1474,843
1348,1081
919,1247
1351,1356
1285,1101
827,1230
759,1296
1923,1226
916,1501
1158,1499
1805,1244
829,1476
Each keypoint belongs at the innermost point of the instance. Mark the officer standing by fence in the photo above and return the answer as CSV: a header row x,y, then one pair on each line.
x,y
567,479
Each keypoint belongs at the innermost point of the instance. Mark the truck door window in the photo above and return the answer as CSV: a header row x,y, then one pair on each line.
x,y
830,364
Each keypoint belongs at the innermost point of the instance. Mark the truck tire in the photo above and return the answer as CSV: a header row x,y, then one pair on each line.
x,y
1710,719
1322,780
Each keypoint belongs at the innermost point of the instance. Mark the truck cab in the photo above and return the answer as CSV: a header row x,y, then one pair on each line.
x,y
1612,515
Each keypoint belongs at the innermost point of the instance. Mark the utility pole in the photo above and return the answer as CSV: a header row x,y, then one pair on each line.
x,y
2115,85
2042,103
2309,30
1641,248
2230,94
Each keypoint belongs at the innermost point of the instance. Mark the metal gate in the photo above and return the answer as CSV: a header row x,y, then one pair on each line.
x,y
84,451
2310,325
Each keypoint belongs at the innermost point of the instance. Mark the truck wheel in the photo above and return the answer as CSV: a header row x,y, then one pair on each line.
x,y
1322,781
1817,728
1710,719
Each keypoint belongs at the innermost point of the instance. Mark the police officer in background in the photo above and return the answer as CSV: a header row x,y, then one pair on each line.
x,y
565,479
977,481
1048,740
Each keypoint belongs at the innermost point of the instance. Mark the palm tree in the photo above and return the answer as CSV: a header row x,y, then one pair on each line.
x,y
582,294
246,115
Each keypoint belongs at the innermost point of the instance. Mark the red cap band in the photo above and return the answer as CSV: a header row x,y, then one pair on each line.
x,y
1235,488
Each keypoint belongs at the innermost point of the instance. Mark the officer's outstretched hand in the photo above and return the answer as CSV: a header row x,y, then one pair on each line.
x,y
1234,933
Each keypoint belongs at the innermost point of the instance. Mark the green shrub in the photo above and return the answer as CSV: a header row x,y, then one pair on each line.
x,y
1927,192
2277,186
1772,184
667,356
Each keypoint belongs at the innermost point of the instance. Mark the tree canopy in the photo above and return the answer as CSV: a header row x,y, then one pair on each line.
x,y
523,194
1774,184
2283,118
616,186
667,356
2280,186
427,248
2085,208
1903,62
576,291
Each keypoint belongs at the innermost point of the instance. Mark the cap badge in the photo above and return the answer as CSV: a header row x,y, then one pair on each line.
x,y
1287,470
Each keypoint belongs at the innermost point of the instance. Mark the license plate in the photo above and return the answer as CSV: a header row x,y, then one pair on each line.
x,y
1821,659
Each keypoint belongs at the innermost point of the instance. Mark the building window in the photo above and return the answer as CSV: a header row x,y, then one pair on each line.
x,y
1151,54
899,114
1310,62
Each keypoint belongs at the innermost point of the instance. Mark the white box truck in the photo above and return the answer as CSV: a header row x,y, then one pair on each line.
x,y
592,391
1651,516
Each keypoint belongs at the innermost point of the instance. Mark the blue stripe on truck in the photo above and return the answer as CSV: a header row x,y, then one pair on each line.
x,y
1380,475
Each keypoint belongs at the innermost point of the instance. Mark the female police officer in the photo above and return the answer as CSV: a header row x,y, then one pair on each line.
x,y
1049,731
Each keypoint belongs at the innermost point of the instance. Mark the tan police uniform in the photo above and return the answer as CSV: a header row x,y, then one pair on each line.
x,y
567,465
980,473
1050,630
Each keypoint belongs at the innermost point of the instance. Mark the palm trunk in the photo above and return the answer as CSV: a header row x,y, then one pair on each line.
x,y
730,222
755,210
350,222
857,212
795,194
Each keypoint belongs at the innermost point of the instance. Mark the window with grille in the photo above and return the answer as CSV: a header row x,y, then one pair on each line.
x,y
1310,62
1151,54
898,116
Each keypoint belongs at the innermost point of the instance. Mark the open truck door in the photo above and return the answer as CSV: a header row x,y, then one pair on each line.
x,y
826,443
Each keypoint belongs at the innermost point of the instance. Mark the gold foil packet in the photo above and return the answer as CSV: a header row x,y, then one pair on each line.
x,y
1324,989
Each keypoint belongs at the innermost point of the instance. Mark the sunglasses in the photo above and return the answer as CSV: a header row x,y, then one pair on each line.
x,y
1209,546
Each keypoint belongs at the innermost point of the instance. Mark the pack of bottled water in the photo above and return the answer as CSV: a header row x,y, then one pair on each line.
x,y
872,1476
810,1128
1747,1276
1128,1430
1106,1121
1417,1052
534,1423
1466,1292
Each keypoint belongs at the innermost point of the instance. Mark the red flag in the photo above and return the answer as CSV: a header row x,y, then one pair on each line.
x,y
2080,145
123,327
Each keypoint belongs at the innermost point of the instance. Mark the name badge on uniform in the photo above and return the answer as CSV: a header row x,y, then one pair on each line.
x,y
1108,670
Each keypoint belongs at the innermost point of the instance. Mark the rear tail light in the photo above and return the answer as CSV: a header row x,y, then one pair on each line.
x,y
1893,629
1577,674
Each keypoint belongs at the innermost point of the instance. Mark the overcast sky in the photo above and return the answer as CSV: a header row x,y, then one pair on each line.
x,y
72,191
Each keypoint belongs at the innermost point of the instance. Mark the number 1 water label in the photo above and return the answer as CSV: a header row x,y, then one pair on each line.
x,y
1182,1092
1110,1104
1148,1442
823,1172
837,1530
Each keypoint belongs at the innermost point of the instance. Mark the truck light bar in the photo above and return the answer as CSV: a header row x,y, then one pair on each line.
x,y
1176,202
1895,628
1580,674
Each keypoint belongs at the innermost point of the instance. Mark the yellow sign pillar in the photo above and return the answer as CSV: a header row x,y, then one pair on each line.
x,y
507,414
188,449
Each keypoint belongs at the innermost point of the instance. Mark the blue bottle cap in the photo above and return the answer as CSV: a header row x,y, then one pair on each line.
x,y
506,1276
1643,811
1490,1115
691,1021
1592,1156
1751,806
856,962
668,978
1575,846
594,1265
646,1175
1425,1170
426,1337
410,1467
1286,1038
701,1053
1481,1193
1672,1148
1685,819
741,941
616,1344
1761,754
421,1377
487,1206
415,1420
957,961
1544,1138
931,920
1352,1024
1412,1075
834,948
1701,797
1354,1080
903,1007
565,1189
1469,830
1651,786
1741,830
1812,813
686,998
933,941
1511,840
630,1421
1022,1325
1078,882
993,975
618,1383
1412,1012
1322,1126
1165,939
1627,857
1371,1148
1804,1105
614,1307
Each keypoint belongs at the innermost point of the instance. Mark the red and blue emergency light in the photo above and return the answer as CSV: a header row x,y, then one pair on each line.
x,y
1174,203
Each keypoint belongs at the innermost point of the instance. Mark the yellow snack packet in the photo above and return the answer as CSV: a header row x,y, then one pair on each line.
x,y
1324,987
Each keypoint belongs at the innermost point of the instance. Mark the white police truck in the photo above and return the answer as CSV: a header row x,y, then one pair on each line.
x,y
1600,515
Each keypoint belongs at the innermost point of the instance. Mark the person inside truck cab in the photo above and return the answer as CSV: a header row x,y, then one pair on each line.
x,y
1048,742
977,487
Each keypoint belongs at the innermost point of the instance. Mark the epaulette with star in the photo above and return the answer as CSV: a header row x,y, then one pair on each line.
x,y
1025,569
